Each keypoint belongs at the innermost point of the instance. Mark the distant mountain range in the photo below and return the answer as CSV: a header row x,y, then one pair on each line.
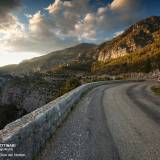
x,y
51,60
136,37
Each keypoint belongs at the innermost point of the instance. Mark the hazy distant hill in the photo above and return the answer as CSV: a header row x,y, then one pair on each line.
x,y
54,59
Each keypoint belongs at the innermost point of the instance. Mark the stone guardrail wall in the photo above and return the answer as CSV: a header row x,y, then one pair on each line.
x,y
31,132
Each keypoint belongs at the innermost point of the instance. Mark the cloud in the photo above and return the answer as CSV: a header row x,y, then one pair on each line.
x,y
74,18
41,36
78,20
58,5
55,7
28,15
102,10
68,13
120,14
10,27
6,19
117,4
123,5
67,23
7,5
36,22
86,28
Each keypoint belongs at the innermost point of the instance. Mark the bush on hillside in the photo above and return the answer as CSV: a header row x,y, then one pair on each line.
x,y
70,84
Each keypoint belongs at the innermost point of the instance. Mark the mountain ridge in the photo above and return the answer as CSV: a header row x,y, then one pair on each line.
x,y
136,37
51,60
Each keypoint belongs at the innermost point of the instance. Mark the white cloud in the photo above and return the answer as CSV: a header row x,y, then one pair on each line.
x,y
102,10
36,22
11,32
41,36
68,4
116,4
86,28
28,15
90,18
55,7
124,6
68,23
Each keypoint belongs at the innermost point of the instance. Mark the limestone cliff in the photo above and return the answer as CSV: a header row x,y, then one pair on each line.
x,y
137,36
29,92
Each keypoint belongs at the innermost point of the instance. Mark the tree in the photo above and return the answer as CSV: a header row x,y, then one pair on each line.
x,y
148,66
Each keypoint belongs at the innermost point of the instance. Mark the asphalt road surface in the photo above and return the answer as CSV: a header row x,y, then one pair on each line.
x,y
112,122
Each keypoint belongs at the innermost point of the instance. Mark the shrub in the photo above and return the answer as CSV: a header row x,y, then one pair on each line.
x,y
70,84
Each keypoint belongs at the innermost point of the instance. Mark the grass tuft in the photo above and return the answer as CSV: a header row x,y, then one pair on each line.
x,y
156,89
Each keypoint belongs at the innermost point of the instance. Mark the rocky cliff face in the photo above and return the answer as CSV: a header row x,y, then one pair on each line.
x,y
29,93
26,98
137,36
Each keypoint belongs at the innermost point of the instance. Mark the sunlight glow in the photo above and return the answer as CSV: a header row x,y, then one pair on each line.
x,y
7,58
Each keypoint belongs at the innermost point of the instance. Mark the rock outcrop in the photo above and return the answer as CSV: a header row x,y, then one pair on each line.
x,y
31,132
22,95
137,36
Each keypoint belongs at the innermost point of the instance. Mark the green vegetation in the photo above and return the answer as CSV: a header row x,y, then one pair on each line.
x,y
156,89
143,60
70,84
95,78
75,67
38,80
51,60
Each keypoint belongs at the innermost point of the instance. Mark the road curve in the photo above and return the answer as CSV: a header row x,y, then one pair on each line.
x,y
112,122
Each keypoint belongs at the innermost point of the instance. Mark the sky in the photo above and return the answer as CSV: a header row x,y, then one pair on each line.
x,y
30,28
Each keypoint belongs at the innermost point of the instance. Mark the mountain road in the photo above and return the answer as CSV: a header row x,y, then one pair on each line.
x,y
119,121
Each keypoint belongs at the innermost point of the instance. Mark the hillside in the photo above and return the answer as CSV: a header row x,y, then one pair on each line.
x,y
137,50
135,37
22,95
142,60
51,60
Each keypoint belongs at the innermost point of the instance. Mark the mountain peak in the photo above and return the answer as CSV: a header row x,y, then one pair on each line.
x,y
152,18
